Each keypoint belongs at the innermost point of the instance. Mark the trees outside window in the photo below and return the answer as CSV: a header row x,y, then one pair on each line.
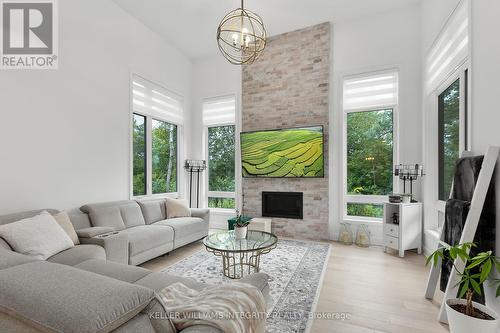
x,y
139,155
164,157
448,136
369,155
221,166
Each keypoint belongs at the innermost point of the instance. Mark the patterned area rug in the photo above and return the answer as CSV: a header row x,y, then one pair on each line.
x,y
296,270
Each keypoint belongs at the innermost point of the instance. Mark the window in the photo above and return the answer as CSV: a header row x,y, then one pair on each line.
x,y
452,132
139,155
446,126
219,120
157,117
369,158
164,157
369,103
221,144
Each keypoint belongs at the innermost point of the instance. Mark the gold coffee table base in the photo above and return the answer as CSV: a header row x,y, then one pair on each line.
x,y
236,265
240,256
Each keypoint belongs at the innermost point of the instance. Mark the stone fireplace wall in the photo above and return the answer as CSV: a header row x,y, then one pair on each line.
x,y
288,86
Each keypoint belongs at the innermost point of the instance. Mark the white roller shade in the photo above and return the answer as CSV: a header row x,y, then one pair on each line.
x,y
370,91
450,50
156,101
219,111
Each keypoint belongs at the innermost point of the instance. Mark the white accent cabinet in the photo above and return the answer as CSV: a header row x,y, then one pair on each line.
x,y
403,227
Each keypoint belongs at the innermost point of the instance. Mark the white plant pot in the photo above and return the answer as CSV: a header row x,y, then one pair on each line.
x,y
460,323
240,232
490,291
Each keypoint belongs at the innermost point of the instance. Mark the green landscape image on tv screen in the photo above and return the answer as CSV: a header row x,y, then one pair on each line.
x,y
296,152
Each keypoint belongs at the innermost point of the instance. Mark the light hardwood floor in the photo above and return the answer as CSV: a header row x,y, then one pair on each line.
x,y
380,292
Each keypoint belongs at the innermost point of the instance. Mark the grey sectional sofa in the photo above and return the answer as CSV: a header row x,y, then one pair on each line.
x,y
78,290
133,232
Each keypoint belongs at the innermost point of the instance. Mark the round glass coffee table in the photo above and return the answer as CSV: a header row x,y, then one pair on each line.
x,y
240,257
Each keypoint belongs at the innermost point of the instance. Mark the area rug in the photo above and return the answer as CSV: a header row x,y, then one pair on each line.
x,y
296,270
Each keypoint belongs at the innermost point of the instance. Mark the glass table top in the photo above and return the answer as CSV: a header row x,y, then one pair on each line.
x,y
226,241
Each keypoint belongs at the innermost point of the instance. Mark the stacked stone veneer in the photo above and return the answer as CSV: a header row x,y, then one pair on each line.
x,y
288,86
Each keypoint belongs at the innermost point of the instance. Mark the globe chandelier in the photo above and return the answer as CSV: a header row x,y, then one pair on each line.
x,y
241,36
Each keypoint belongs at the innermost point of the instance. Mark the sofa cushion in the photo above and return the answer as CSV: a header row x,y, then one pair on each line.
x,y
114,270
132,215
184,226
79,219
146,237
153,210
63,219
4,245
116,214
64,299
177,208
78,254
40,236
107,217
10,258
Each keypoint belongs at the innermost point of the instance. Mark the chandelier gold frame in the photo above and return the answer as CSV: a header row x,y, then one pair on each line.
x,y
247,28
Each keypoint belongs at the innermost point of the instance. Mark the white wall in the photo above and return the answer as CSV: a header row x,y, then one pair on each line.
x,y
434,16
64,134
367,44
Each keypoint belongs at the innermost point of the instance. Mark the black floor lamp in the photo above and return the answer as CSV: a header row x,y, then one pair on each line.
x,y
194,168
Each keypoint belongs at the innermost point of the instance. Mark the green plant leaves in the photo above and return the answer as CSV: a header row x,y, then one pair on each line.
x,y
464,289
485,262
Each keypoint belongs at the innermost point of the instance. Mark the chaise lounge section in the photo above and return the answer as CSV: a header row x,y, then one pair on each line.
x,y
78,290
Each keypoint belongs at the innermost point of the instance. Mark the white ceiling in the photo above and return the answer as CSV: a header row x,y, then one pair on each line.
x,y
191,25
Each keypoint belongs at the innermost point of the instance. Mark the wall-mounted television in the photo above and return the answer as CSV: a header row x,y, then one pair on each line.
x,y
293,152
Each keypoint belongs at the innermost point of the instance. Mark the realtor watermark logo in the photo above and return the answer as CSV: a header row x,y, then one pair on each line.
x,y
29,34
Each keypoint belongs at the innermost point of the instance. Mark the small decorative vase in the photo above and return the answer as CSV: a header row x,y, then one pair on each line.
x,y
345,234
240,232
363,236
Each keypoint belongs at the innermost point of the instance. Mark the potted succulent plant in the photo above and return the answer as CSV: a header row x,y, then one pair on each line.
x,y
241,225
465,315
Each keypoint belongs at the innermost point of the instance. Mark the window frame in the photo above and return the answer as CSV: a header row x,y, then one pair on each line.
x,y
221,194
149,145
368,199
146,157
462,73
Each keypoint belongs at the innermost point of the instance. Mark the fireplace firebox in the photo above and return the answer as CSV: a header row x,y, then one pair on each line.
x,y
283,204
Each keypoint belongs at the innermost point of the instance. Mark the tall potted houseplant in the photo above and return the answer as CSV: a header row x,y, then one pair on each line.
x,y
465,315
241,225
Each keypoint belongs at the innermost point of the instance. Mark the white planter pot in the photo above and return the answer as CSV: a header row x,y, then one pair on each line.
x,y
460,323
240,232
490,290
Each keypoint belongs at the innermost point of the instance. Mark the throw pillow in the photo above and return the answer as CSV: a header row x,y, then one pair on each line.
x,y
63,219
39,236
177,208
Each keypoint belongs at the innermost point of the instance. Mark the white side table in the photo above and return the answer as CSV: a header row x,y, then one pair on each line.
x,y
407,234
260,224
